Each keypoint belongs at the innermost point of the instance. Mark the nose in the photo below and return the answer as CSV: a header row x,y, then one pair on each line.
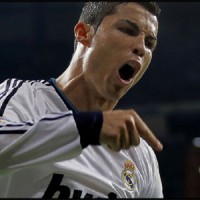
x,y
139,45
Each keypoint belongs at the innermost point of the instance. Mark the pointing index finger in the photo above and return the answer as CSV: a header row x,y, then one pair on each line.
x,y
147,134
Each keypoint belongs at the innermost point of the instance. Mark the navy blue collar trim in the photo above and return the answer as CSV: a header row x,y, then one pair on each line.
x,y
63,97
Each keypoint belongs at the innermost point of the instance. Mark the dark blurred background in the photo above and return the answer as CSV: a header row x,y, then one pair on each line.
x,y
36,42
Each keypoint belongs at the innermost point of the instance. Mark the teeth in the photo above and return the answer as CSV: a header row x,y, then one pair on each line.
x,y
131,65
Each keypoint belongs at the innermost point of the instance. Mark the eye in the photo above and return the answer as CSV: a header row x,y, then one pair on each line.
x,y
150,44
129,31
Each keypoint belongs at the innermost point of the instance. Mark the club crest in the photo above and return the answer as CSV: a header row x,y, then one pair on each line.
x,y
128,176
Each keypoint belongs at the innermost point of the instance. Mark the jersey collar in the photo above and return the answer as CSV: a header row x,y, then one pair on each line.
x,y
63,97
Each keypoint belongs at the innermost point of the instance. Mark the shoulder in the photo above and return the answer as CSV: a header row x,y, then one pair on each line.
x,y
17,95
25,89
11,84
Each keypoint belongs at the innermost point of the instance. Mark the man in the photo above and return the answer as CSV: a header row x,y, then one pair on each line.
x,y
62,138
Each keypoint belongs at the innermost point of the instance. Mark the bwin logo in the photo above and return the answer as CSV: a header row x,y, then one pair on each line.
x,y
64,191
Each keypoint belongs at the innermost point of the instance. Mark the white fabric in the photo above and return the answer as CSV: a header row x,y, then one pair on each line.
x,y
47,160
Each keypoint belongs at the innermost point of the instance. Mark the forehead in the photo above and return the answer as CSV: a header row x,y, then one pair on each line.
x,y
138,14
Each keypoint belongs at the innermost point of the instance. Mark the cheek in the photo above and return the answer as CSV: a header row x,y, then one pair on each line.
x,y
146,61
108,41
143,70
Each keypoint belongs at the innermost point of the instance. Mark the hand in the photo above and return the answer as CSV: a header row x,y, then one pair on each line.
x,y
123,128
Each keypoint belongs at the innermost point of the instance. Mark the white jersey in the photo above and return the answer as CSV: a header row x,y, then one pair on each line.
x,y
42,156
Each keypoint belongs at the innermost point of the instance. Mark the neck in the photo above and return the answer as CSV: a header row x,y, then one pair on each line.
x,y
80,94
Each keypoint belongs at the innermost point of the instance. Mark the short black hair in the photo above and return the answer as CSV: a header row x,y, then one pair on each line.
x,y
94,12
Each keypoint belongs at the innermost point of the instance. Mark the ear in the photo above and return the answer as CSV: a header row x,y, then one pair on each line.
x,y
83,33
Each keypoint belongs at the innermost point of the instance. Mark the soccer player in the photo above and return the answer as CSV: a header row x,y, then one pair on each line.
x,y
62,138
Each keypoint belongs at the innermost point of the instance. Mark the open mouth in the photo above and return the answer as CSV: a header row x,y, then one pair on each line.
x,y
126,72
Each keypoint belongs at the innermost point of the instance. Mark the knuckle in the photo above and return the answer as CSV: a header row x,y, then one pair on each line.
x,y
131,111
130,121
137,142
122,128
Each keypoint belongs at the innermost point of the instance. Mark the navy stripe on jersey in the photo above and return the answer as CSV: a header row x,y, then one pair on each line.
x,y
16,125
10,84
3,93
15,84
13,132
55,118
7,85
20,128
14,128
6,88
45,82
2,109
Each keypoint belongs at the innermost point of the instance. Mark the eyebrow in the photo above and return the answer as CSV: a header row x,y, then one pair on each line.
x,y
135,26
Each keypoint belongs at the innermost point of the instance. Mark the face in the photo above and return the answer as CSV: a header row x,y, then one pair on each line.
x,y
120,51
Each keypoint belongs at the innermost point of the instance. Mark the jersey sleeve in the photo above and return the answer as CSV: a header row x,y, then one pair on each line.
x,y
29,135
53,138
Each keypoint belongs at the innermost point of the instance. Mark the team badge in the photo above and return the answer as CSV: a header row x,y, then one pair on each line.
x,y
128,176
